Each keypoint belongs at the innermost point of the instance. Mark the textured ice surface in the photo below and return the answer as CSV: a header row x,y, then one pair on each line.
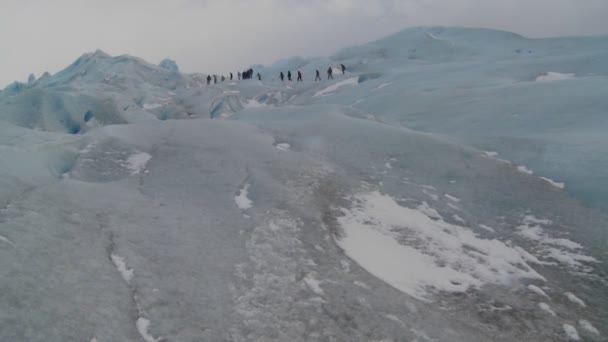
x,y
126,214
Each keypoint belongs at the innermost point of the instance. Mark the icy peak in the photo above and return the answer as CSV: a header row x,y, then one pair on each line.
x,y
169,65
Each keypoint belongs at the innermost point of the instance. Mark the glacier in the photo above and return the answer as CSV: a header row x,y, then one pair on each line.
x,y
451,186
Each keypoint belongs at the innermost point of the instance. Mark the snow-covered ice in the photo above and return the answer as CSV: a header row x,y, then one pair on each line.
x,y
127,189
283,146
558,185
371,239
571,332
336,86
537,290
587,326
125,272
142,326
574,299
452,198
554,76
138,162
546,308
242,200
525,170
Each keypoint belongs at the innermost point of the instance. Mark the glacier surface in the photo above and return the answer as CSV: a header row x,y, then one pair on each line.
x,y
138,203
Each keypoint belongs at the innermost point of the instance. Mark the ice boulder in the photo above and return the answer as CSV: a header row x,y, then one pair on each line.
x,y
31,79
169,65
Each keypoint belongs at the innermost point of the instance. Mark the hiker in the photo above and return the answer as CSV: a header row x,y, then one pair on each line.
x,y
330,73
214,79
231,76
239,75
343,68
259,77
318,77
299,76
223,78
289,75
208,79
282,76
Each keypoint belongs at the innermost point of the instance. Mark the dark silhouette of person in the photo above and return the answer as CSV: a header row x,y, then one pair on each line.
x,y
330,74
248,74
208,79
299,76
214,79
231,76
318,76
289,75
282,76
343,68
239,75
223,78
259,77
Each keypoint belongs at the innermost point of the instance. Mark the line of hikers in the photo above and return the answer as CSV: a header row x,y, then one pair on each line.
x,y
249,74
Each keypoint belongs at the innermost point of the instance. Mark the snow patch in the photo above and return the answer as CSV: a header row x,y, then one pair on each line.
x,y
150,106
283,146
121,266
537,290
362,284
432,196
5,239
586,325
453,206
558,185
562,250
137,162
241,199
334,87
574,299
381,86
452,198
252,103
488,228
458,218
546,308
314,285
426,209
142,327
525,170
571,332
554,76
443,257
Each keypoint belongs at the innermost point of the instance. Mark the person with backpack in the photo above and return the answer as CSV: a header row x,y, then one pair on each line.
x,y
282,76
231,76
214,79
343,68
330,73
223,78
318,77
299,76
289,75
208,79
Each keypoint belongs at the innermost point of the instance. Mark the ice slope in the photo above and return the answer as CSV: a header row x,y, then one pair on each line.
x,y
554,128
371,212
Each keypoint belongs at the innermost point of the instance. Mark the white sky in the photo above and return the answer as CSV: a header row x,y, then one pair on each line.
x,y
222,35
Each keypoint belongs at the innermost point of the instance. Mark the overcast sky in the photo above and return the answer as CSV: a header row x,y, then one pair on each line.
x,y
222,35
